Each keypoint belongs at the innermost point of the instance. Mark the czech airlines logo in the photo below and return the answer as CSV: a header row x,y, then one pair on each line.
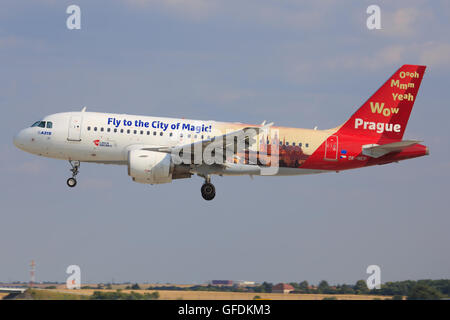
x,y
381,109
99,143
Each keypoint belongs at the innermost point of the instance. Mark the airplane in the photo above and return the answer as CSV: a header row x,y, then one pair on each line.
x,y
158,150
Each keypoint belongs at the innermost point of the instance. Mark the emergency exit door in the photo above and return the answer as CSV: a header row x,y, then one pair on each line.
x,y
331,148
74,128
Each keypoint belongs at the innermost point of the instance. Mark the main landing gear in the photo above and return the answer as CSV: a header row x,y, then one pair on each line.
x,y
72,182
208,189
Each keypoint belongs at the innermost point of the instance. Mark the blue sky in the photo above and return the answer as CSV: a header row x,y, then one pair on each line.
x,y
300,64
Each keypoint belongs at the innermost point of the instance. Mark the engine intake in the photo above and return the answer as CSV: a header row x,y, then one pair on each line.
x,y
150,166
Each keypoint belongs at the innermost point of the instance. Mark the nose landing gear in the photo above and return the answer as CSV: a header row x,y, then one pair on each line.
x,y
208,190
72,182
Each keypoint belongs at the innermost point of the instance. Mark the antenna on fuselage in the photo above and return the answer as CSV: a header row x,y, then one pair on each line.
x,y
84,109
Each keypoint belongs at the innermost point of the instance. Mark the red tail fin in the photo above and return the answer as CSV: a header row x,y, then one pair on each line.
x,y
386,113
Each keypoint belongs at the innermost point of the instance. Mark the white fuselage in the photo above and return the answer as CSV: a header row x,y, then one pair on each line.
x,y
107,138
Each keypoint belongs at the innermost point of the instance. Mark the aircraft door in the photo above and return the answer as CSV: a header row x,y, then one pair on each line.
x,y
75,128
331,148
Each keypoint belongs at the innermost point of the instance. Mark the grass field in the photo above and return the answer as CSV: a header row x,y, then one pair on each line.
x,y
62,293
214,295
3,294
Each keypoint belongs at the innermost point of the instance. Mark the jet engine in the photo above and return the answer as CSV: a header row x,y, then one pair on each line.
x,y
154,167
150,166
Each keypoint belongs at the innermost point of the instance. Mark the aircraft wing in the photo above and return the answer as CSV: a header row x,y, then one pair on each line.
x,y
220,144
376,151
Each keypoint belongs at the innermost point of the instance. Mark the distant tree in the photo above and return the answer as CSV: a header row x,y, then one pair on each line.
x,y
135,287
345,289
323,287
329,298
267,287
361,287
304,286
117,295
423,292
256,297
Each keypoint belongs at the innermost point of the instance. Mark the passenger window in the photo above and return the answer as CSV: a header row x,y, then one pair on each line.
x,y
202,137
121,130
108,130
293,143
101,129
189,135
135,131
148,133
89,128
128,131
154,133
161,133
142,132
95,128
281,143
306,145
115,130
287,143
299,144
181,135
170,134
49,125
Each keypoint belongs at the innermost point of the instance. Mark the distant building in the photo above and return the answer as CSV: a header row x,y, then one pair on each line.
x,y
245,283
282,288
222,282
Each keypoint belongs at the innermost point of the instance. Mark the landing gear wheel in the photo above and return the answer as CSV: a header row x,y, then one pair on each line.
x,y
75,164
208,191
71,182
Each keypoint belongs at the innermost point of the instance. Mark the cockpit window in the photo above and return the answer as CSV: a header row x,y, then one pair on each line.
x,y
49,124
40,124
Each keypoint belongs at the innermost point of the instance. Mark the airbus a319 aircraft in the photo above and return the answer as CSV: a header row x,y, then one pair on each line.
x,y
157,150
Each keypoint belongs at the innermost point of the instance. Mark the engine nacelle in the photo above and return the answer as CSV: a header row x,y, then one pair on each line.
x,y
150,166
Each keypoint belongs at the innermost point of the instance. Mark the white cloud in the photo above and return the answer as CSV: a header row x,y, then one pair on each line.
x,y
435,54
405,22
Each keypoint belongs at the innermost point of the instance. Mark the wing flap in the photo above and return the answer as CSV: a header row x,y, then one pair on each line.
x,y
221,145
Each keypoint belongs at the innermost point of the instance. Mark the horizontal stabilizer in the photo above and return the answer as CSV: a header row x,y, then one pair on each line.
x,y
376,151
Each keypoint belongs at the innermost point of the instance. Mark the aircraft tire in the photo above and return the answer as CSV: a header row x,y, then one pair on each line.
x,y
71,182
208,191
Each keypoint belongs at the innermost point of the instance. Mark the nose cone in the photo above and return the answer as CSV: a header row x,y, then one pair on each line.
x,y
19,140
